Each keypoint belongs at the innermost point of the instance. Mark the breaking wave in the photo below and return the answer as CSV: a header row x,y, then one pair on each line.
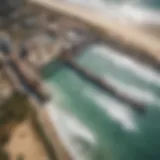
x,y
78,139
133,11
143,72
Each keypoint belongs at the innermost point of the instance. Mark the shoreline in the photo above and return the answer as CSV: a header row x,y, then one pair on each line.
x,y
43,122
43,117
126,35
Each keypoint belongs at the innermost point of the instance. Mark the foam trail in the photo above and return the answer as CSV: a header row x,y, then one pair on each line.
x,y
132,91
139,15
68,127
143,72
125,11
115,110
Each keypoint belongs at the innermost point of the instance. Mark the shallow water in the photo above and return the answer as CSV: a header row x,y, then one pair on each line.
x,y
95,125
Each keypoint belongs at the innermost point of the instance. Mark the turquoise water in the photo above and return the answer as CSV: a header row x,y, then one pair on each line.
x,y
96,126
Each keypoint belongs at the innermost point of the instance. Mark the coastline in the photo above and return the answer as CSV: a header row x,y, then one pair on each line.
x,y
44,123
43,116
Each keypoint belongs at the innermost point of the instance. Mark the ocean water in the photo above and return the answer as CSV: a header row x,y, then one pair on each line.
x,y
96,126
144,12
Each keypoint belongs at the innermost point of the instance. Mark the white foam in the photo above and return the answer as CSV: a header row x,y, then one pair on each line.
x,y
143,72
115,110
125,11
142,95
139,15
68,127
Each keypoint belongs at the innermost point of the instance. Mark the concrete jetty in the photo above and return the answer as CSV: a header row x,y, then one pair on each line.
x,y
126,35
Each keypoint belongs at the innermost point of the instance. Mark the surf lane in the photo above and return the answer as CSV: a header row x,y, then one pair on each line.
x,y
94,125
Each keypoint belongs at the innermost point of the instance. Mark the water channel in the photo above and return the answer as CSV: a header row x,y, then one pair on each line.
x,y
95,125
